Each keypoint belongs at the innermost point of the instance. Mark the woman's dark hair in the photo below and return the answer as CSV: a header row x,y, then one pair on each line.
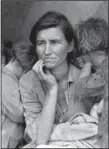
x,y
25,53
55,19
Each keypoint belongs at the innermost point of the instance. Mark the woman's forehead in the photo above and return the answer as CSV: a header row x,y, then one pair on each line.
x,y
52,33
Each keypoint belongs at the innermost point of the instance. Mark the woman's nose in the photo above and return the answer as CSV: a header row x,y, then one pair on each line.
x,y
47,49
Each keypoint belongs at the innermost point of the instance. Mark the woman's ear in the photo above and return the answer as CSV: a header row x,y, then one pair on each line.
x,y
71,46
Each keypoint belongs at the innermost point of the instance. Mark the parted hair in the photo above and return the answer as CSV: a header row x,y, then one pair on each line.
x,y
55,19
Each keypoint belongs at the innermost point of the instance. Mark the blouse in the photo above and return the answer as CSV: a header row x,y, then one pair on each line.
x,y
33,92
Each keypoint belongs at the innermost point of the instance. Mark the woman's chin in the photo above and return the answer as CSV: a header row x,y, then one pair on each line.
x,y
49,66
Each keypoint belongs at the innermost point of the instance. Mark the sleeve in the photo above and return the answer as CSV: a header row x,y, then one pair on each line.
x,y
92,86
11,103
31,104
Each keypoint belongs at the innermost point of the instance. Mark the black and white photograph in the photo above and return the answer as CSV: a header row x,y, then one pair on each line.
x,y
54,74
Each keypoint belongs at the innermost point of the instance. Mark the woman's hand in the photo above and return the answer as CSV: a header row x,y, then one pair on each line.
x,y
79,62
78,120
47,116
46,76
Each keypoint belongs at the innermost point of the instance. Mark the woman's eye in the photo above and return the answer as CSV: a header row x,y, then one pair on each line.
x,y
54,42
40,43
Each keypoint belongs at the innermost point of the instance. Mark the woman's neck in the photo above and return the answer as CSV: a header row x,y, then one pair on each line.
x,y
61,72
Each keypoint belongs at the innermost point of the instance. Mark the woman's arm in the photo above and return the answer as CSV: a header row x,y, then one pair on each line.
x,y
49,109
47,117
31,95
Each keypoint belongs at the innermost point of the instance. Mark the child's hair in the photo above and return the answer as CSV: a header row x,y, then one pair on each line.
x,y
6,50
24,52
94,33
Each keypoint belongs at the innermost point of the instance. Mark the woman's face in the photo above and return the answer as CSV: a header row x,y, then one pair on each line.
x,y
52,47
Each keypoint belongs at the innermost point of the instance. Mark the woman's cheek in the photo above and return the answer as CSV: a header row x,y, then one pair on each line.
x,y
59,50
40,53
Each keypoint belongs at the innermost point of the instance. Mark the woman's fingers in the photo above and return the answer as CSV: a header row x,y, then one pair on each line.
x,y
78,120
79,62
41,72
36,66
44,75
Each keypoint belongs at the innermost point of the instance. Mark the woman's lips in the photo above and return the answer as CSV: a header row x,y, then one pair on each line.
x,y
48,59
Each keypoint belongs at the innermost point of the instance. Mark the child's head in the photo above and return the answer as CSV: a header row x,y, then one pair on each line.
x,y
24,52
92,35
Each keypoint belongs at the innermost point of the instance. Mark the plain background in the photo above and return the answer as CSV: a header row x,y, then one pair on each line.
x,y
18,16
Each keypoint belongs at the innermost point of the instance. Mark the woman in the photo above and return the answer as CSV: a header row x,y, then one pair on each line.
x,y
23,56
48,91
